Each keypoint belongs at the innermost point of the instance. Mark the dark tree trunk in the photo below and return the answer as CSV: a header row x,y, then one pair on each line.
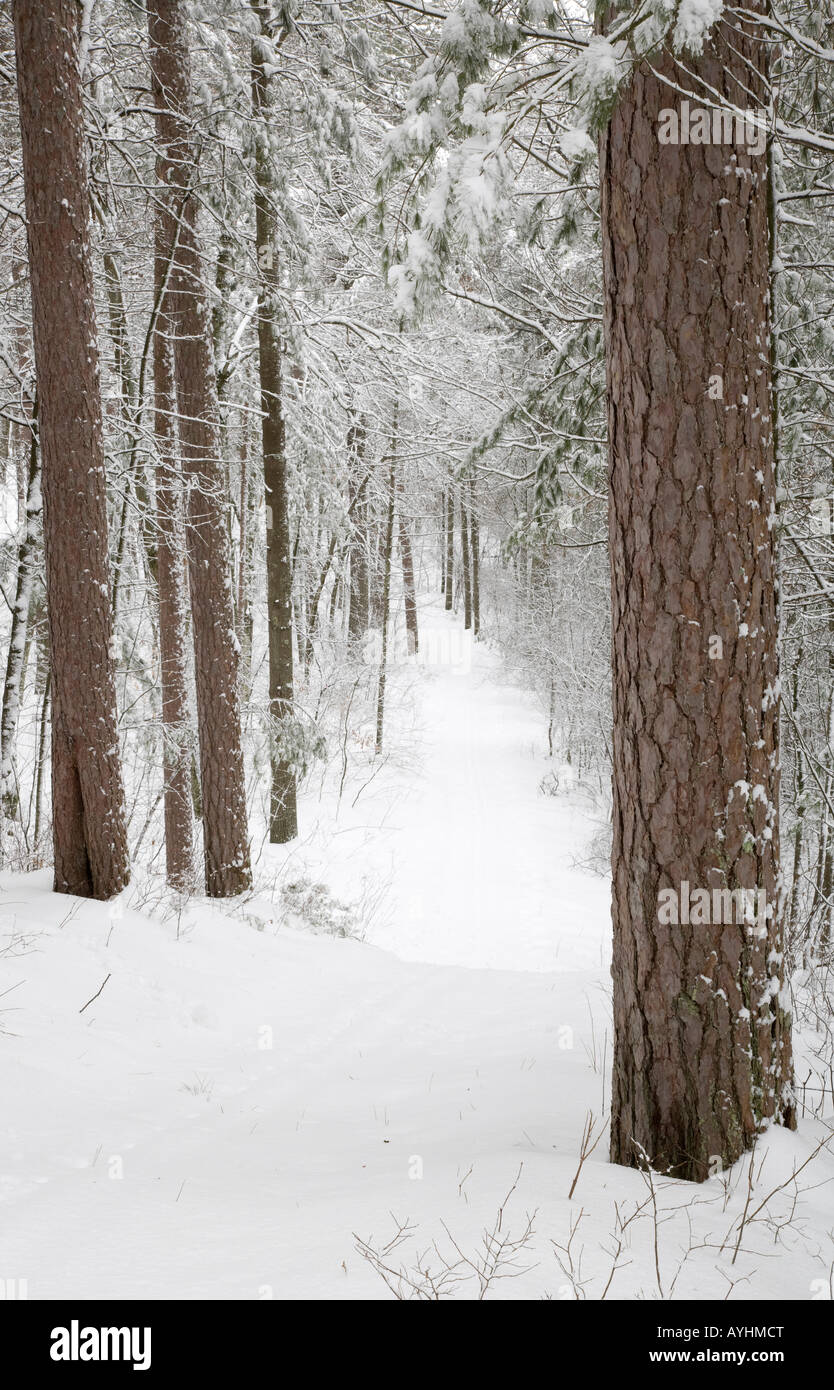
x,y
223,786
88,815
283,814
702,1056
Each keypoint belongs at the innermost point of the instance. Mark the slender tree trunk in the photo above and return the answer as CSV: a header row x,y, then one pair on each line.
x,y
467,573
702,1054
450,546
223,786
443,542
798,800
359,612
386,583
475,538
44,722
283,816
245,615
409,586
27,558
88,814
177,750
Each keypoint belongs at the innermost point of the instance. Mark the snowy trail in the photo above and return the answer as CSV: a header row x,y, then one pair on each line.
x,y
237,1103
482,867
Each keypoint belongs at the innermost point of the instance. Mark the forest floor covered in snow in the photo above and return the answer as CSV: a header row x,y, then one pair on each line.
x,y
253,1106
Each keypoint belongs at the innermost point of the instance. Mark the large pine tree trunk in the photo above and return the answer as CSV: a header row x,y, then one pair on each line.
x,y
223,786
283,815
89,833
702,1036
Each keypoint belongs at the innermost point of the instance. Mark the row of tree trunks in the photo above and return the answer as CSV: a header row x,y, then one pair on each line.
x,y
227,869
470,553
88,814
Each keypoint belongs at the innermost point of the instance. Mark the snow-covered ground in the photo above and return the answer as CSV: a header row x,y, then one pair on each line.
x,y
244,1099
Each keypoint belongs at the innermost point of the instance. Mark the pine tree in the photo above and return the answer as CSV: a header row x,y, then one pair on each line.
x,y
88,815
283,818
702,1053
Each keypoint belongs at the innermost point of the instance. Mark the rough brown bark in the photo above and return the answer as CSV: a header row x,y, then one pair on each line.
x,y
89,834
283,815
702,1037
223,787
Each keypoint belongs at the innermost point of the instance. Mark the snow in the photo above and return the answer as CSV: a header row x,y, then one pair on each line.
x,y
242,1098
694,20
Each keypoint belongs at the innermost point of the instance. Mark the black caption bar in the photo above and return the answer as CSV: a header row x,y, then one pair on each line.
x,y
147,1339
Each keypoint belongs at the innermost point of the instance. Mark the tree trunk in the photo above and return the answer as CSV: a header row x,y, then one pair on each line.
x,y
223,786
359,612
386,585
475,538
450,546
409,586
88,814
27,556
443,542
702,1055
283,814
177,749
467,573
